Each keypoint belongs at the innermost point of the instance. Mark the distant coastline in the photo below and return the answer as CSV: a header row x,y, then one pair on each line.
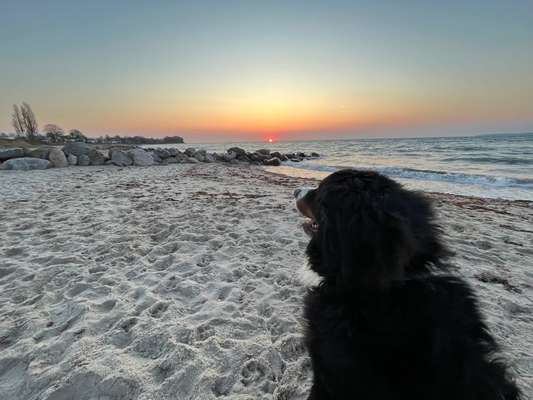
x,y
504,134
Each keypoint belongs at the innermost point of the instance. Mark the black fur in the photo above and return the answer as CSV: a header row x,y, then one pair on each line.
x,y
388,321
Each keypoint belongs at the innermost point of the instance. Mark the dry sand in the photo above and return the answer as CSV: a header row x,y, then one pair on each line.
x,y
186,282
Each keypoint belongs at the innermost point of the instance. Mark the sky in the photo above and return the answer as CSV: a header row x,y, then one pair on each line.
x,y
252,70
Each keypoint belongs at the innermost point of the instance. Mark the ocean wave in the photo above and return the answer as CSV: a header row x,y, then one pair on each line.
x,y
429,175
492,160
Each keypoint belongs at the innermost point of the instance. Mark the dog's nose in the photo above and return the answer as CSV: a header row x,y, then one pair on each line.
x,y
297,192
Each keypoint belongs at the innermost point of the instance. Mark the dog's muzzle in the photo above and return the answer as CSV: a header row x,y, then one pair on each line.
x,y
310,226
301,192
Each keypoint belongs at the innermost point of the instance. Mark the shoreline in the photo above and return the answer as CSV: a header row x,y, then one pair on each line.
x,y
451,196
186,281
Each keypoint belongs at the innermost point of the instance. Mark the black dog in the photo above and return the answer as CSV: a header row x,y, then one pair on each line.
x,y
388,321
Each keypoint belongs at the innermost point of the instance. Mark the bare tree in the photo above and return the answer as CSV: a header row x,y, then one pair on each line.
x,y
54,133
30,123
17,120
77,135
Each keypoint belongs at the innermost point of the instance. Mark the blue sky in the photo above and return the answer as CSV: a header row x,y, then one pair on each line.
x,y
225,70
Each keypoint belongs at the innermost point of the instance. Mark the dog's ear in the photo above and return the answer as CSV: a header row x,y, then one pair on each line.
x,y
363,246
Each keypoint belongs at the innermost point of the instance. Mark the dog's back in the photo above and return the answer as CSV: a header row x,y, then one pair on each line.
x,y
423,338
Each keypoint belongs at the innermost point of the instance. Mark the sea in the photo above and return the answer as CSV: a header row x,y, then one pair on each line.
x,y
489,166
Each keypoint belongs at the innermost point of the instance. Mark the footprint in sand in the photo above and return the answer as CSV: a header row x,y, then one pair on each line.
x,y
158,309
77,289
484,245
153,346
458,228
90,386
253,371
291,347
106,305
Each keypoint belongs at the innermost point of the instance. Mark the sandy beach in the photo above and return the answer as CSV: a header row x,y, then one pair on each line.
x,y
186,282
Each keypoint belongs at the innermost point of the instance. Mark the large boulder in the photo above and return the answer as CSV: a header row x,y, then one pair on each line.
x,y
7,154
272,161
263,151
72,159
230,155
190,151
96,157
219,156
200,155
209,158
40,152
77,148
163,153
277,154
170,160
238,151
141,158
182,158
26,163
57,158
84,160
172,152
120,158
156,157
259,157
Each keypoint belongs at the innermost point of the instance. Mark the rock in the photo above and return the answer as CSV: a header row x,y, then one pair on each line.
x,y
120,158
218,156
163,153
182,158
76,148
40,152
192,160
238,151
230,155
263,151
260,156
277,154
26,163
200,155
209,158
96,157
141,158
243,157
294,157
171,160
172,152
84,160
272,161
72,159
156,157
190,151
57,158
313,154
7,154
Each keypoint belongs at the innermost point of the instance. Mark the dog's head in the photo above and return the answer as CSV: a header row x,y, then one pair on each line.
x,y
368,231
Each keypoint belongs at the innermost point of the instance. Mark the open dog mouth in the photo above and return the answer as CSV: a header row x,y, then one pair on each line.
x,y
310,226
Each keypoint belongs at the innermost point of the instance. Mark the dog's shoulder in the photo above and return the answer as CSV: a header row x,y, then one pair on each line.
x,y
431,320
